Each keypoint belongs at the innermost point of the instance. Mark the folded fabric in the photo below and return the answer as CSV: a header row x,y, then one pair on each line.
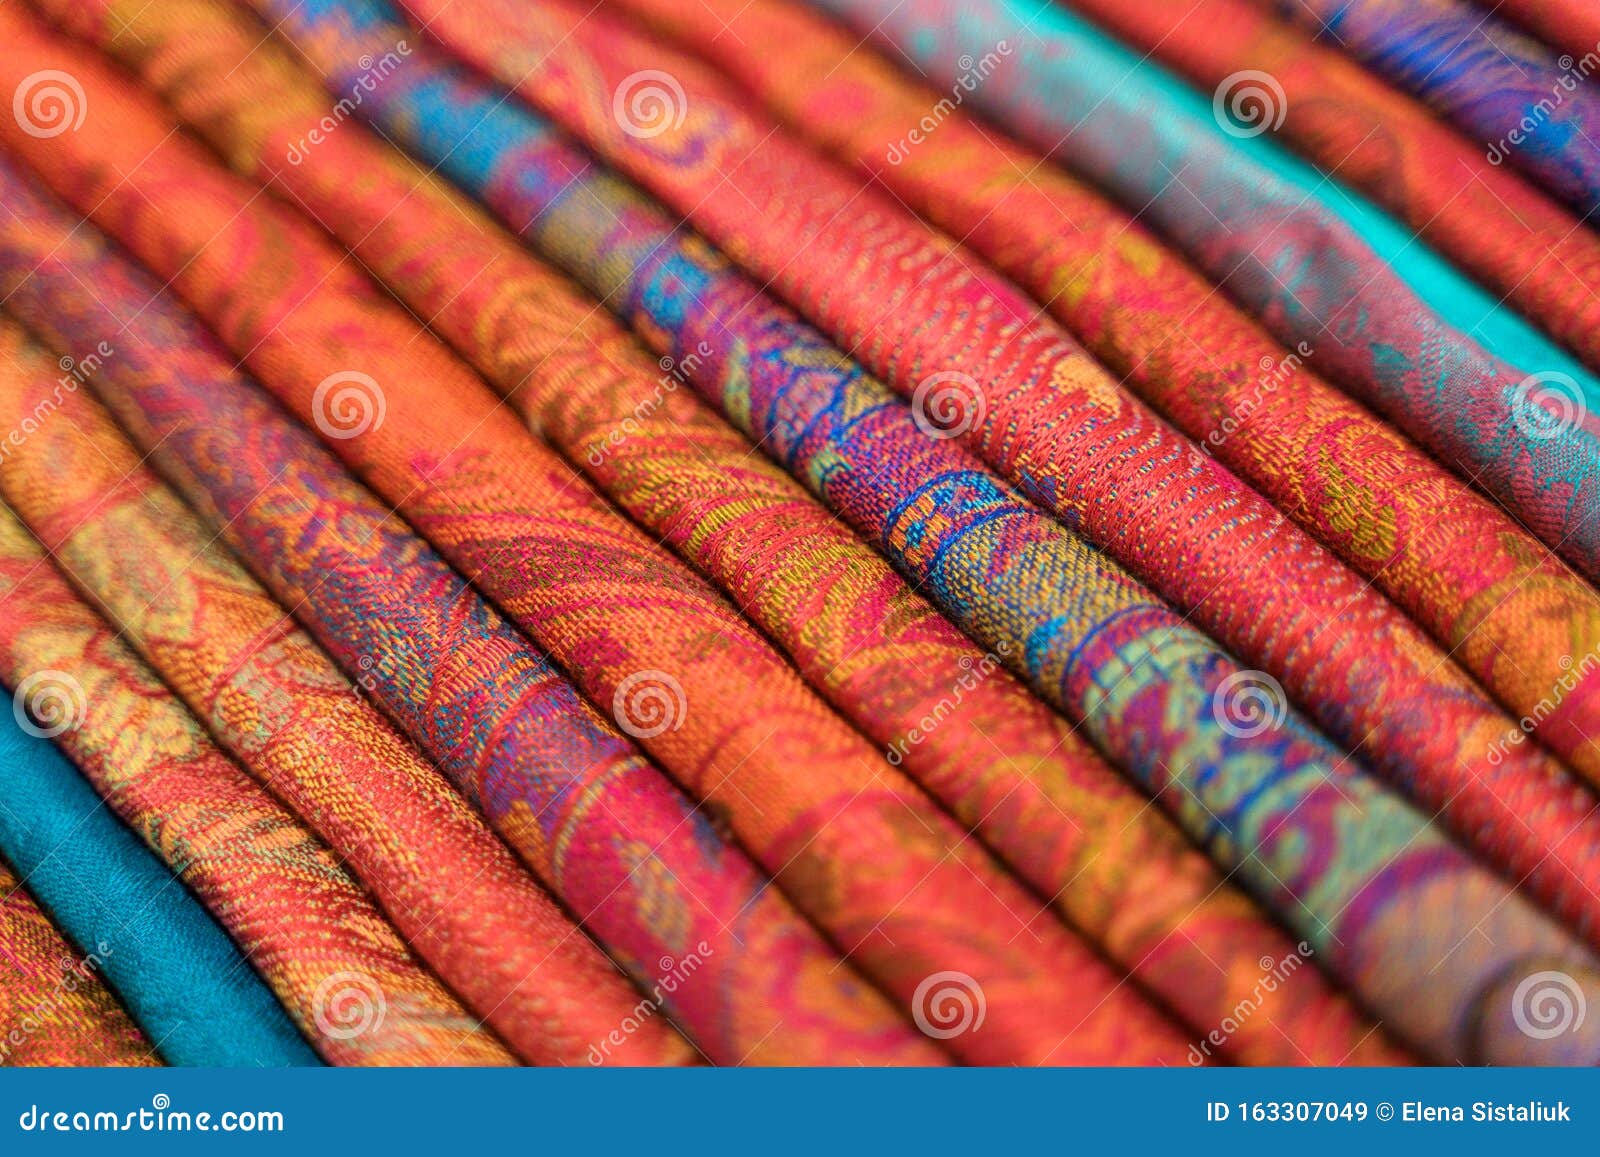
x,y
561,786
1487,592
1059,429
1570,26
1500,228
1525,439
1047,994
1502,88
279,704
1000,759
1142,682
183,981
54,1008
339,969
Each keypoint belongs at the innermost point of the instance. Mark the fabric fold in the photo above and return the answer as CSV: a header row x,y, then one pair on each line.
x,y
1490,595
1086,637
1505,91
338,967
55,1009
934,902
1001,760
1527,439
279,704
195,998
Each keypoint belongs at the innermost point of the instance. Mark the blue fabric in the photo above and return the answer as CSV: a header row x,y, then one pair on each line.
x,y
177,973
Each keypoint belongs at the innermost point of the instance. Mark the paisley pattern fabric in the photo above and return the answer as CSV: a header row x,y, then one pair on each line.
x,y
183,981
1501,88
1046,992
54,1004
1141,681
1004,763
304,923
1485,590
284,711
558,537
1189,532
1294,263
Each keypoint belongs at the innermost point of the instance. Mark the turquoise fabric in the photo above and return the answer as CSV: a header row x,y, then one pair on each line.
x,y
177,973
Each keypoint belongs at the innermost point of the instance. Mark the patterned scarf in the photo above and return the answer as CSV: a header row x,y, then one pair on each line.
x,y
1004,763
1048,995
1482,74
182,979
1528,441
280,706
1142,682
296,914
54,1007
1484,588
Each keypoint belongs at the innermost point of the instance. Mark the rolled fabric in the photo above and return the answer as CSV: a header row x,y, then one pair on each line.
x,y
1001,760
982,367
280,705
338,967
1503,230
1527,439
1510,94
180,977
1569,26
563,788
1152,692
932,904
55,1011
1489,594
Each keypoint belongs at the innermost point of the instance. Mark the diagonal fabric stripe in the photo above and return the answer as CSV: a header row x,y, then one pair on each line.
x,y
281,707
180,977
333,960
55,1009
1001,760
1149,690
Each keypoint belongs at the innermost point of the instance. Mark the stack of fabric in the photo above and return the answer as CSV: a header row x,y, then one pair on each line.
x,y
889,532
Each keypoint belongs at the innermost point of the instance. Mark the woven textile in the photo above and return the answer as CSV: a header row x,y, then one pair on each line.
x,y
1488,592
1504,90
182,980
1061,431
279,704
1048,996
305,925
611,837
1295,265
54,1007
1004,762
1501,229
1087,638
